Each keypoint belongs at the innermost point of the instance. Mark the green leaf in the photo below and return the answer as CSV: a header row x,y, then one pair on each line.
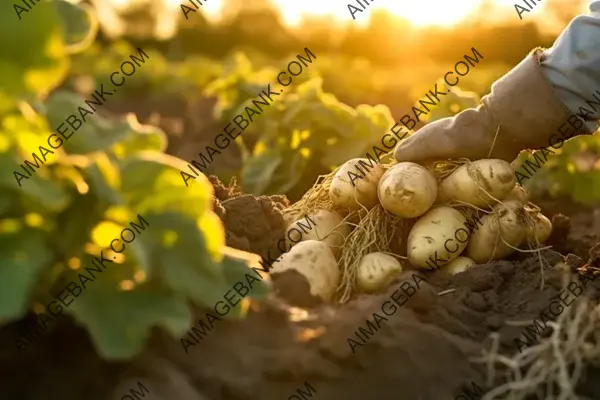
x,y
236,268
79,24
23,256
143,138
32,60
77,222
120,323
95,134
152,182
177,249
46,192
258,172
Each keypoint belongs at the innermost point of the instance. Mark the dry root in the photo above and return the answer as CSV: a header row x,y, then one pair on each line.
x,y
373,232
551,368
442,169
316,198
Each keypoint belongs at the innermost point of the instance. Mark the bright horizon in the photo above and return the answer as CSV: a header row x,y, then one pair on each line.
x,y
419,13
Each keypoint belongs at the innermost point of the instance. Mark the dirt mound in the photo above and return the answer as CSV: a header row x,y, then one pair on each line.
x,y
422,350
253,224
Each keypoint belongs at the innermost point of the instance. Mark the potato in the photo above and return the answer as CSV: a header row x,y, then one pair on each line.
x,y
376,270
469,182
326,226
519,193
437,238
457,265
507,221
407,190
349,191
541,229
315,261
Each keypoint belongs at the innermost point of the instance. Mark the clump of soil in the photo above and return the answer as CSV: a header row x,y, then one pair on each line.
x,y
253,224
586,220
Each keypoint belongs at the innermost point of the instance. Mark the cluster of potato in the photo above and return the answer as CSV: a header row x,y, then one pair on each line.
x,y
438,205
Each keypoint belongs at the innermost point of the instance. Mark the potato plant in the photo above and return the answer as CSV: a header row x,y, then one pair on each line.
x,y
304,133
85,193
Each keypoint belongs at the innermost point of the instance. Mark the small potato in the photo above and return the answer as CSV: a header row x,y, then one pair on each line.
x,y
541,229
407,190
437,237
507,221
470,182
519,193
352,191
323,225
315,261
376,270
457,265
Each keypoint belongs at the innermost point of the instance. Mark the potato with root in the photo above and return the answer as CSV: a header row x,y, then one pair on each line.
x,y
376,270
437,238
506,223
539,229
519,193
328,228
474,182
315,262
407,190
457,265
346,192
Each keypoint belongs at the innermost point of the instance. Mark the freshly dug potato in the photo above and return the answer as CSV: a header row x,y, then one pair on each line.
x,y
349,191
315,261
507,221
457,265
376,270
438,237
326,228
519,193
407,190
493,176
540,230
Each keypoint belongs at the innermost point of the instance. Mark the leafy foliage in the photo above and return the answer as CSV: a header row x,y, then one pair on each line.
x,y
572,171
86,192
305,127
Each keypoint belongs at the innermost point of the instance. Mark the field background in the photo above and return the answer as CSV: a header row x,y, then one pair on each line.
x,y
379,58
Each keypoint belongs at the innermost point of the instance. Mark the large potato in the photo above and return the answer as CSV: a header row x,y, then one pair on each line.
x,y
326,226
354,191
407,190
540,230
315,261
519,193
437,238
470,182
376,270
507,221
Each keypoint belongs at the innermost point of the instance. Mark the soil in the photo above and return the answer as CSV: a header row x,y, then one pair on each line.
x,y
422,351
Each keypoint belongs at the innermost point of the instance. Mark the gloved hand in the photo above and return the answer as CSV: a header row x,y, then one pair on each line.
x,y
522,104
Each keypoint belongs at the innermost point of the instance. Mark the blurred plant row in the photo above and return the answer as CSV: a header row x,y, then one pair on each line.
x,y
311,132
71,207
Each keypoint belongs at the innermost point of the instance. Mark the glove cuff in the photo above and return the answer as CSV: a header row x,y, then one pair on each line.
x,y
526,107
